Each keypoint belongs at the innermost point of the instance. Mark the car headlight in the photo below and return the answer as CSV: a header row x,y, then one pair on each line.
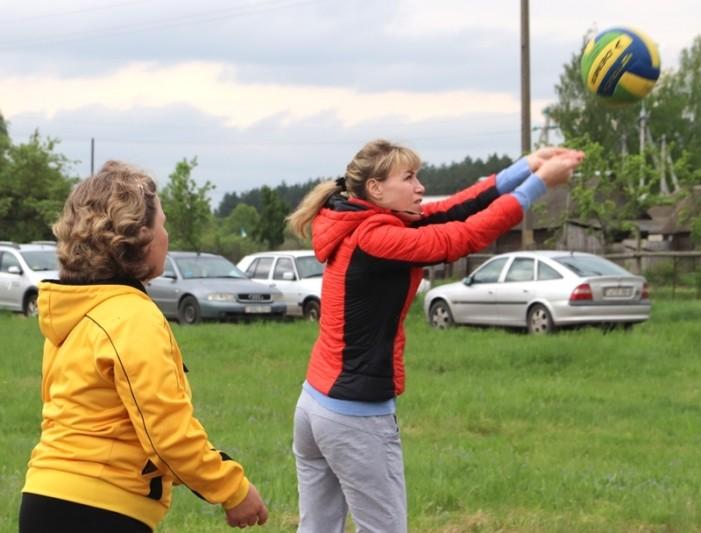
x,y
221,297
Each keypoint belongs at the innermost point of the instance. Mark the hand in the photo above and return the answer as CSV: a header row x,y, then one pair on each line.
x,y
559,168
249,512
537,158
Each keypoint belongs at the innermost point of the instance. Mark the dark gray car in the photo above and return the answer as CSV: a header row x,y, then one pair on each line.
x,y
199,286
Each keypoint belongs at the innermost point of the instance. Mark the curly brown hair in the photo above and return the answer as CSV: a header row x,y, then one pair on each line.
x,y
99,232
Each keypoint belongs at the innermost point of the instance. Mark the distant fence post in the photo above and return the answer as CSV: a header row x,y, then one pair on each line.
x,y
674,276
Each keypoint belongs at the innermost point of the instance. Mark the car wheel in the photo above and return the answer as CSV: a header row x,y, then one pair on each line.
x,y
30,304
188,311
440,315
540,322
312,310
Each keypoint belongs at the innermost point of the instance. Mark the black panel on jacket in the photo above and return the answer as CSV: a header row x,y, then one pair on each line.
x,y
376,291
462,211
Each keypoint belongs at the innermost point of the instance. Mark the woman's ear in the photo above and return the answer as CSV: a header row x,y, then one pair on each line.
x,y
373,189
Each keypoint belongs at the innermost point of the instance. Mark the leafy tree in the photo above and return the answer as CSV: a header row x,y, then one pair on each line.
x,y
676,106
290,195
578,112
443,179
690,179
242,221
672,110
33,186
271,226
186,207
608,191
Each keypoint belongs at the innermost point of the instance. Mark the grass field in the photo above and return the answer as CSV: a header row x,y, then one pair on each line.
x,y
581,431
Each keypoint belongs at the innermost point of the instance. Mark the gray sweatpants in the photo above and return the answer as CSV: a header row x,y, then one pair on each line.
x,y
348,462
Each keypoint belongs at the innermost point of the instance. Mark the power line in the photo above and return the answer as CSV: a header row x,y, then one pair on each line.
x,y
183,20
269,143
69,13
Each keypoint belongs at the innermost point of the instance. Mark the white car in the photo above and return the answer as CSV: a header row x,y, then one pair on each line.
x,y
295,273
22,267
541,291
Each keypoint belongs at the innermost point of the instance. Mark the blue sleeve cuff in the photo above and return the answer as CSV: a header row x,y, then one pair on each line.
x,y
529,191
511,177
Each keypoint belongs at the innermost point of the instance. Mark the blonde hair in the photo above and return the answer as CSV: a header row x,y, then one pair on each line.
x,y
99,232
375,160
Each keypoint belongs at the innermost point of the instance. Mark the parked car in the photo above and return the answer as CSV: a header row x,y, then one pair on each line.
x,y
198,286
295,273
22,267
541,291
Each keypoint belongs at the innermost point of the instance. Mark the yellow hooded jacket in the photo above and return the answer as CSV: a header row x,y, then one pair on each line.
x,y
117,422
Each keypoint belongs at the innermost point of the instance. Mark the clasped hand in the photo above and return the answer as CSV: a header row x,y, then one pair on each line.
x,y
554,165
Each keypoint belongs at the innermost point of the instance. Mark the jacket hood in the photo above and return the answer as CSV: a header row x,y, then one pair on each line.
x,y
63,306
337,220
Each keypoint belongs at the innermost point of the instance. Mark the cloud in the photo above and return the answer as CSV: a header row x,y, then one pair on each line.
x,y
270,90
268,152
213,90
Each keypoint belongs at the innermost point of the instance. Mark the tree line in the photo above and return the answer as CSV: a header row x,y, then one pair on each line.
x,y
619,179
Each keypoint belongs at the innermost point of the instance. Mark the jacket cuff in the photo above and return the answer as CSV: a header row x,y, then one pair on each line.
x,y
529,191
511,177
238,496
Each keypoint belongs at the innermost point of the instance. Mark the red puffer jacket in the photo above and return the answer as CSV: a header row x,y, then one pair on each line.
x,y
373,270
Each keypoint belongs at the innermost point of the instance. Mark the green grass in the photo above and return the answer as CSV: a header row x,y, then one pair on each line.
x,y
581,431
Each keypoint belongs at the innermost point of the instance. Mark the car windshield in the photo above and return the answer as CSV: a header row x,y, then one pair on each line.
x,y
41,260
591,265
309,267
202,266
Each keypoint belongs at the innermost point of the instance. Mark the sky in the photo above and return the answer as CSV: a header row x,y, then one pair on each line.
x,y
266,91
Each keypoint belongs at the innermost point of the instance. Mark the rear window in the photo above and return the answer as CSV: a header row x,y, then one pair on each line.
x,y
591,265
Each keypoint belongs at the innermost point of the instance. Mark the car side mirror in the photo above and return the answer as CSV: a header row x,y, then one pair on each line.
x,y
288,276
14,269
468,281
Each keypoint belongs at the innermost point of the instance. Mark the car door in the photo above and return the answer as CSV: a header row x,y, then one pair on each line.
x,y
515,291
477,304
284,279
165,291
260,269
11,286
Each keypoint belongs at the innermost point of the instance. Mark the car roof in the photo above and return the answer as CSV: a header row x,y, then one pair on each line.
x,y
33,247
293,253
543,253
177,253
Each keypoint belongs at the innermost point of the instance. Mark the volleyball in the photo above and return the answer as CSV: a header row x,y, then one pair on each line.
x,y
620,65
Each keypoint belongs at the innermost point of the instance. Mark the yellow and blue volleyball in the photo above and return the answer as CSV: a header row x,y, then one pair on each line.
x,y
620,65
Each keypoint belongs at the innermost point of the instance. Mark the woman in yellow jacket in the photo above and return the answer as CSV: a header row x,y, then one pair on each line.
x,y
118,428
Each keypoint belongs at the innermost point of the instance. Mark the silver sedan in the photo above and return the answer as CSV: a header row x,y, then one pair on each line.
x,y
199,286
541,291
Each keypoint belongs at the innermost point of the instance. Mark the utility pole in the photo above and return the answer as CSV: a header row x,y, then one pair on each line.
x,y
643,127
527,223
92,156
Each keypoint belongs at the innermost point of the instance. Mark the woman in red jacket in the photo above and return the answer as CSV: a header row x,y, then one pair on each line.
x,y
374,234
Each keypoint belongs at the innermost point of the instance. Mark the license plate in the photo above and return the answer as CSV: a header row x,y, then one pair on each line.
x,y
257,309
618,292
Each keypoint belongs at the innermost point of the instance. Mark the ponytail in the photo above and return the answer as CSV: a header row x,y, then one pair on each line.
x,y
300,221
